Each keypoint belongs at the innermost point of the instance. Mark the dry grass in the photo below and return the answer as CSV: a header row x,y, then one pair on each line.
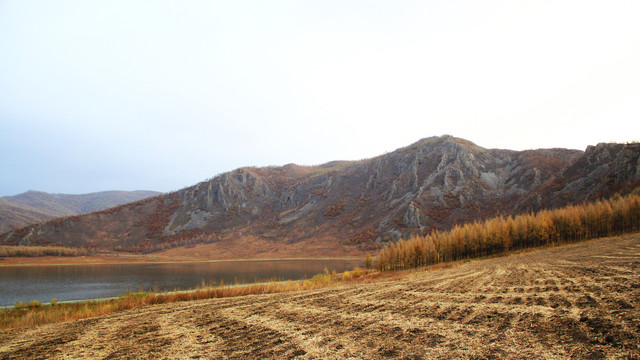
x,y
35,313
579,301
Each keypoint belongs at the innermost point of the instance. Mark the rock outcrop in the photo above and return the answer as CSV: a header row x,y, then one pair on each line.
x,y
432,184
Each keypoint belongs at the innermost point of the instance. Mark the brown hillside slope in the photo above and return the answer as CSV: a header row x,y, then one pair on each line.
x,y
349,206
73,204
32,207
14,216
577,301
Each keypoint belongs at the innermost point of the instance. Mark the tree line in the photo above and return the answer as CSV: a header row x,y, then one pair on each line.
x,y
33,251
501,234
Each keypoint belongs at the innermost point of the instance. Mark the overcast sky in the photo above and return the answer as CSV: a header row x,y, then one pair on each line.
x,y
159,95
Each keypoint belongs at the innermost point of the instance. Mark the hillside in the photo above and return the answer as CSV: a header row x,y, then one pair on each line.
x,y
36,206
343,208
578,301
14,216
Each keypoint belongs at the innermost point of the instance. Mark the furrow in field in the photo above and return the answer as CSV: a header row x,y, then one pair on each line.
x,y
579,301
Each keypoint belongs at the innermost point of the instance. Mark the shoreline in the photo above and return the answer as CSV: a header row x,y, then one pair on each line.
x,y
117,259
537,298
152,293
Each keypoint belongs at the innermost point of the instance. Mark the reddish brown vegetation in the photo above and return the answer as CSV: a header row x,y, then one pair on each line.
x,y
158,220
335,209
365,240
36,251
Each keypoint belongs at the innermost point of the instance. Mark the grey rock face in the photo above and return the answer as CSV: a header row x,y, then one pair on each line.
x,y
414,217
433,184
451,179
604,169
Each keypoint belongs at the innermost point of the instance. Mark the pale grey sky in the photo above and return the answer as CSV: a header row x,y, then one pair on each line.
x,y
158,95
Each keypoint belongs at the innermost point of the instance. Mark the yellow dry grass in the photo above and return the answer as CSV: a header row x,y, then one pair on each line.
x,y
35,313
577,301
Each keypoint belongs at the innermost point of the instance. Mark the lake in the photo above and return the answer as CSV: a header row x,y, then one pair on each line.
x,y
80,282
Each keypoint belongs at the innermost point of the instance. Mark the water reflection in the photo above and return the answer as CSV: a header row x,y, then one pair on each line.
x,y
79,282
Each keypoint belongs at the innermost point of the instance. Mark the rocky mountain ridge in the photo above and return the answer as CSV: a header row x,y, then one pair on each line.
x,y
345,207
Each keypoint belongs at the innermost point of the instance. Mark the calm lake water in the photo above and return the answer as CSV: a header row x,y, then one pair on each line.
x,y
80,282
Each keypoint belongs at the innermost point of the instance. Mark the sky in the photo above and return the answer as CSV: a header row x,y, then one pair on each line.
x,y
159,95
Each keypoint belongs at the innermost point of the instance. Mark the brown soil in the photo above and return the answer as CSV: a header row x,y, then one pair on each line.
x,y
579,301
156,259
228,249
90,260
249,246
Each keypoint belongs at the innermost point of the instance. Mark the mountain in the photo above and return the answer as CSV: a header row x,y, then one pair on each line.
x,y
36,206
14,216
346,207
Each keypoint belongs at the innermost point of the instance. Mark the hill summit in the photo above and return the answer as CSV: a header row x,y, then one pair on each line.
x,y
347,207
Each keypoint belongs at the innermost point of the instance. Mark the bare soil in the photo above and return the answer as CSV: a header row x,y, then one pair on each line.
x,y
227,249
578,301
91,260
147,259
249,246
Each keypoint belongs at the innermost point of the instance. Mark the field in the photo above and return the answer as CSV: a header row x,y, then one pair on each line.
x,y
576,301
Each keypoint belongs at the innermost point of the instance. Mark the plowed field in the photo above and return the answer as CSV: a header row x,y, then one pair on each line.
x,y
578,301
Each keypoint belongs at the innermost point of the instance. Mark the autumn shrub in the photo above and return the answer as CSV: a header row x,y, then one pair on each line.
x,y
335,209
34,251
34,304
357,272
318,280
347,275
